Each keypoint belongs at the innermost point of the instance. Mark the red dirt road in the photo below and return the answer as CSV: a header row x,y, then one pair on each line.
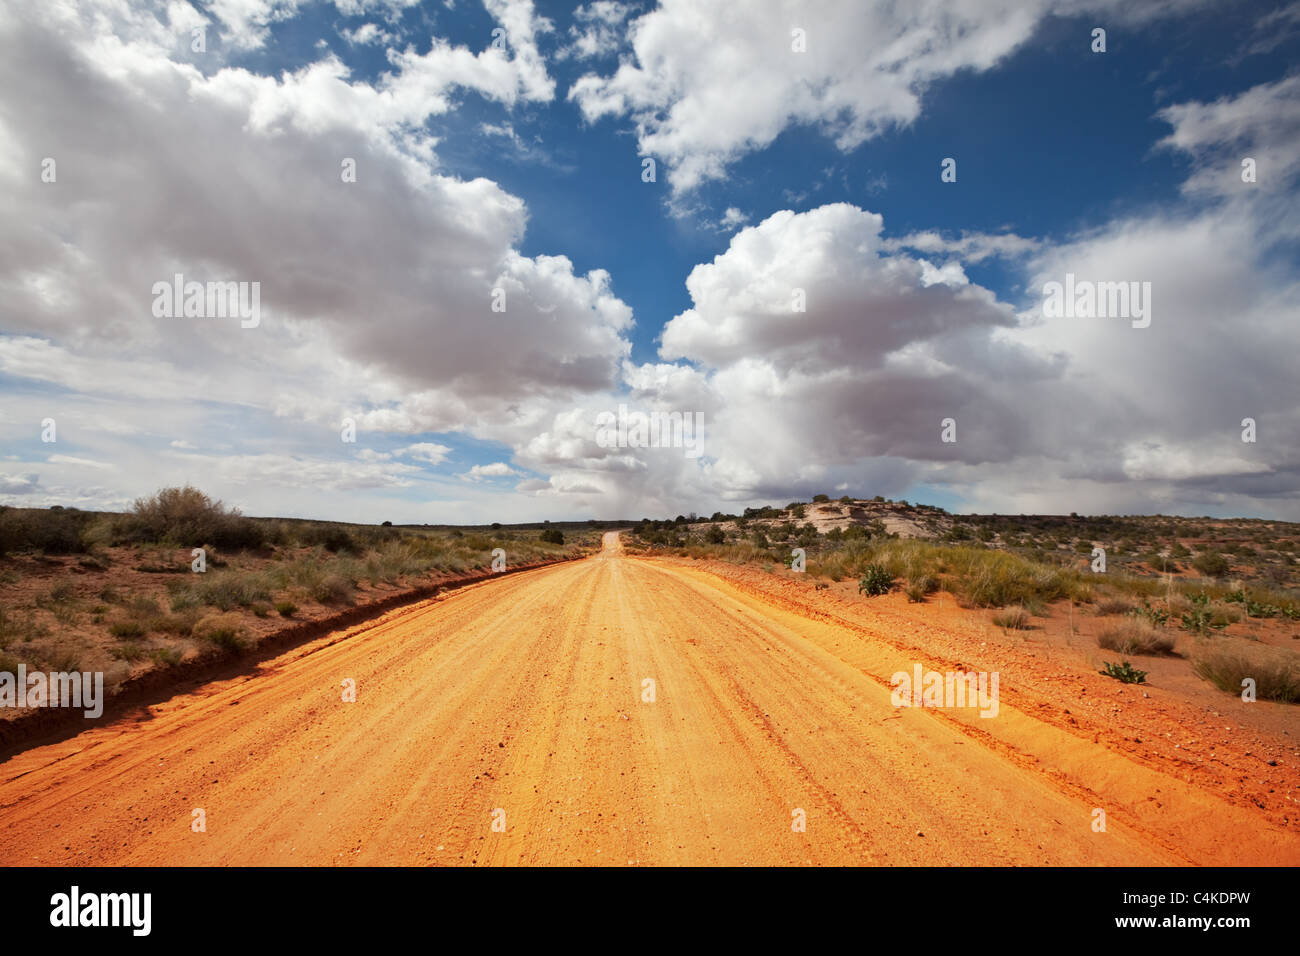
x,y
520,702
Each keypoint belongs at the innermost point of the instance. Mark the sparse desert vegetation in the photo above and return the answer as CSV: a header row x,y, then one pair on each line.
x,y
1137,635
120,593
1164,577
1276,676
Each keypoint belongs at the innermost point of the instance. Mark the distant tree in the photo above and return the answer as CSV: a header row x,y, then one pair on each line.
x,y
820,498
386,524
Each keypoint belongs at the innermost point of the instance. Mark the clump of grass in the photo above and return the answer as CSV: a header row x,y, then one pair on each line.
x,y
996,579
333,589
1114,606
1135,636
125,630
130,652
61,601
165,656
1016,618
180,624
1276,675
286,608
919,585
17,627
224,590
141,606
61,657
225,630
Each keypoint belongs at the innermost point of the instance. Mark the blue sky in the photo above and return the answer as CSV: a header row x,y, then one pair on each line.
x,y
774,169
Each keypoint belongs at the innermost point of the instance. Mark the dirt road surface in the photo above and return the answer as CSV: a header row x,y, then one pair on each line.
x,y
511,722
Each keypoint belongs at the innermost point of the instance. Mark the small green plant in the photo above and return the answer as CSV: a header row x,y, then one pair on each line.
x,y
1155,616
1200,619
875,580
286,608
126,629
1124,673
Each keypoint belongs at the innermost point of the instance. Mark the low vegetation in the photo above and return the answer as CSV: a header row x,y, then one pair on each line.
x,y
125,595
1163,576
1137,635
1275,676
1125,673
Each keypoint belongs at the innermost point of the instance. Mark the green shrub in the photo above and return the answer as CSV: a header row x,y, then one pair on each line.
x,y
875,580
187,517
1200,619
1211,564
50,531
1155,616
126,629
1124,673
286,608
